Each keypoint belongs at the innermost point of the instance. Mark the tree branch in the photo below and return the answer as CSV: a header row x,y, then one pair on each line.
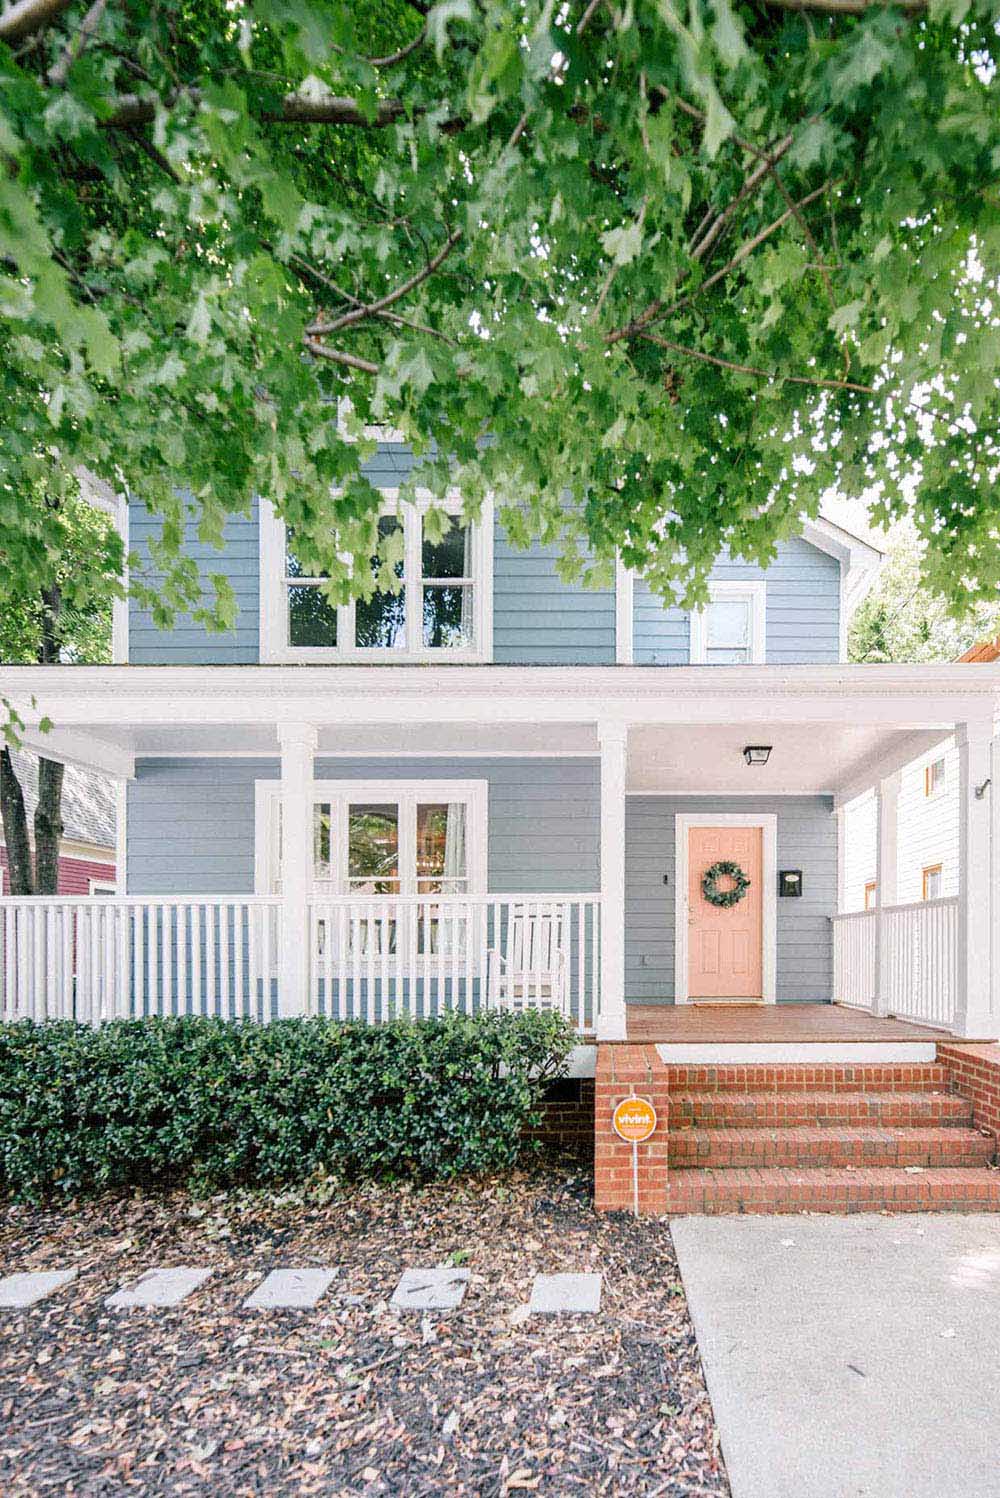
x,y
28,16
59,72
376,309
752,369
337,356
295,109
848,7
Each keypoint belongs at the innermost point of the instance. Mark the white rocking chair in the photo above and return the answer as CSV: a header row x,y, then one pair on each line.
x,y
532,971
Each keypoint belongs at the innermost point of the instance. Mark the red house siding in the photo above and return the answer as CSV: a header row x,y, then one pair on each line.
x,y
75,874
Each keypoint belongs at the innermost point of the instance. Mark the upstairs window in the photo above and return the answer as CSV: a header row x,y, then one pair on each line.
x,y
932,882
427,598
730,630
934,776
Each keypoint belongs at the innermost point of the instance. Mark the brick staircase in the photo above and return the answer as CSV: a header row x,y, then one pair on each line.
x,y
801,1138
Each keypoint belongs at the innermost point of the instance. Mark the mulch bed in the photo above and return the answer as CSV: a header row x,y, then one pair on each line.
x,y
351,1398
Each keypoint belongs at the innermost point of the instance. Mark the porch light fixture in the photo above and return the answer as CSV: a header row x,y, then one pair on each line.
x,y
757,754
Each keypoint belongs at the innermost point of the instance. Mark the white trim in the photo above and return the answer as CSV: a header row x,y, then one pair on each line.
x,y
119,607
624,614
754,591
274,646
74,746
102,887
611,1021
407,793
394,754
121,835
768,823
807,1053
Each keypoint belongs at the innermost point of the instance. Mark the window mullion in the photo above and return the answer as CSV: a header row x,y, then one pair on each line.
x,y
413,538
408,845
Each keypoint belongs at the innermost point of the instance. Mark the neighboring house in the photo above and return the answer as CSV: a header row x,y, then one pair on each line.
x,y
87,847
497,787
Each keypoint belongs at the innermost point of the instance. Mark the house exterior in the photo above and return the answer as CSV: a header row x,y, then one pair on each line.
x,y
88,847
494,786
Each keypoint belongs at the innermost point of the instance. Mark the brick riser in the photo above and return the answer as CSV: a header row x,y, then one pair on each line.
x,y
828,1190
837,1147
731,1109
923,1077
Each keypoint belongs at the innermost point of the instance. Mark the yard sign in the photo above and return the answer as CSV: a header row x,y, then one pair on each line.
x,y
634,1120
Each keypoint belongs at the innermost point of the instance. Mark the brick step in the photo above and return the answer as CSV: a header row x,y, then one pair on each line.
x,y
800,1077
787,1109
711,1192
810,1146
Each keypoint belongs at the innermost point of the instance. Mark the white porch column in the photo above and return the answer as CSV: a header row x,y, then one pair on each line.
x,y
613,739
886,879
973,997
298,745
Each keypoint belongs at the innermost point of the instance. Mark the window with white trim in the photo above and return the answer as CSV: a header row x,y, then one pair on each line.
x,y
934,777
384,838
427,598
104,887
729,631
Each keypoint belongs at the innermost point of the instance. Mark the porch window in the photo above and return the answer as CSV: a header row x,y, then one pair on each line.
x,y
932,882
870,895
384,839
730,630
427,596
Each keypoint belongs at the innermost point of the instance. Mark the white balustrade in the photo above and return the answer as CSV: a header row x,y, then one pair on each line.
x,y
370,958
102,958
376,958
918,960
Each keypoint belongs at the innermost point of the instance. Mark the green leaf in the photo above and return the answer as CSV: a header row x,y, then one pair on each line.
x,y
623,244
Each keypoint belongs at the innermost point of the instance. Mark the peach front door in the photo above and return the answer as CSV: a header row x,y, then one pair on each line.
x,y
725,947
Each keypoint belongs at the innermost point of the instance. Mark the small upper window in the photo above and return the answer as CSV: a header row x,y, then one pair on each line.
x,y
424,596
934,774
932,882
870,895
730,630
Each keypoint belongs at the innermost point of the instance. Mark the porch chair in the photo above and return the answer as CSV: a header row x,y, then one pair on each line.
x,y
532,970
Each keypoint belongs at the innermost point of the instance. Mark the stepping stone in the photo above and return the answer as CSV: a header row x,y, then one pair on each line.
x,y
430,1289
565,1294
290,1289
18,1291
159,1288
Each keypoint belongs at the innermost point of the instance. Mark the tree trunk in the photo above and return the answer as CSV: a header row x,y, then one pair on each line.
x,y
48,827
15,829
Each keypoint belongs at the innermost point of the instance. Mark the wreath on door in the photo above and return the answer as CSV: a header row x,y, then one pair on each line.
x,y
724,899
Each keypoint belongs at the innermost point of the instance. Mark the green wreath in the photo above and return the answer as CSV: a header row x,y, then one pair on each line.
x,y
725,899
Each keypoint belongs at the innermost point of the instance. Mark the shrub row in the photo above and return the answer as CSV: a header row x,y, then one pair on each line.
x,y
216,1103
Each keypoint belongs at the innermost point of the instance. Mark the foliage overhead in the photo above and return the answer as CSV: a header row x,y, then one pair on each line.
x,y
902,620
691,263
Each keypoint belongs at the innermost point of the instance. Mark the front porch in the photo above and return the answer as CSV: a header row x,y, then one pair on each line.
x,y
527,846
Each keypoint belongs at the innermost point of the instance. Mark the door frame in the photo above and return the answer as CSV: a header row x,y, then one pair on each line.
x,y
768,823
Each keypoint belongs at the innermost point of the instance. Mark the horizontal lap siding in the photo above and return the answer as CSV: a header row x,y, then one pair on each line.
x,y
540,620
927,826
802,616
191,821
187,642
807,840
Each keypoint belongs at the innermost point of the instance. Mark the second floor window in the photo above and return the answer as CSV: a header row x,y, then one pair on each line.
x,y
426,598
934,774
730,630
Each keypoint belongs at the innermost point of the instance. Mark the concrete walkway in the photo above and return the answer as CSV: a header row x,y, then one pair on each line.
x,y
850,1356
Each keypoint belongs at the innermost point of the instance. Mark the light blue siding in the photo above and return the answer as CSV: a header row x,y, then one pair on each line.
x,y
538,619
188,643
802,617
191,821
807,840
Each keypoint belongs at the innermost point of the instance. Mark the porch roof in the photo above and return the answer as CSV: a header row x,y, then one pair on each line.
x,y
835,728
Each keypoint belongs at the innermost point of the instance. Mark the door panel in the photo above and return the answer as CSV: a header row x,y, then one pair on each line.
x,y
725,947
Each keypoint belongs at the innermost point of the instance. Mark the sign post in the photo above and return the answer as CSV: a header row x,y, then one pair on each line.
x,y
634,1120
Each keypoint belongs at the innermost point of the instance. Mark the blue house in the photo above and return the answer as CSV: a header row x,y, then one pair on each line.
x,y
494,787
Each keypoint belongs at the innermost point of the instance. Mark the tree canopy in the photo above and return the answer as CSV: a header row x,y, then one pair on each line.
x,y
688,262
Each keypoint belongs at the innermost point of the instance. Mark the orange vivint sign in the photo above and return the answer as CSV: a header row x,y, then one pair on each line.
x,y
634,1120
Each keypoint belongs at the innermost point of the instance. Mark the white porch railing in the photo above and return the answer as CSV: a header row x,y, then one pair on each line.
x,y
371,959
374,959
918,960
121,958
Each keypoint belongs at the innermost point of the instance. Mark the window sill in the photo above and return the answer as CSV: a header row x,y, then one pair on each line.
x,y
320,656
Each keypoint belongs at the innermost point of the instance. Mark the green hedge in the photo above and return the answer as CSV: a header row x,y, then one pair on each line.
x,y
216,1103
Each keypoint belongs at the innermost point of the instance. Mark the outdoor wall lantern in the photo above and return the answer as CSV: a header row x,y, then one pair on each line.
x,y
757,754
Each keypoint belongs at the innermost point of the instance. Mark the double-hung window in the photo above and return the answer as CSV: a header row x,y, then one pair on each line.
x,y
425,595
729,631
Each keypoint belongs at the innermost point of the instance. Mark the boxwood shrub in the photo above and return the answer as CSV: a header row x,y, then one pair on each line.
x,y
215,1103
